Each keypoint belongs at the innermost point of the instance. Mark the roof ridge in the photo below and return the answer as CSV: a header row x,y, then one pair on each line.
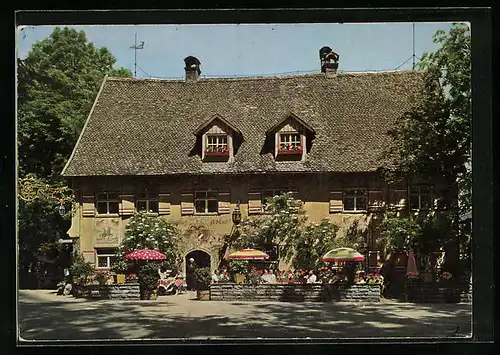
x,y
268,77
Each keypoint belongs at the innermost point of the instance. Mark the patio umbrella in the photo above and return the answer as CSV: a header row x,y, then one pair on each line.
x,y
411,267
145,254
248,254
342,254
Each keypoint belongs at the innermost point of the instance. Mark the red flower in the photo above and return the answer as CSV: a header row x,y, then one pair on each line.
x,y
289,272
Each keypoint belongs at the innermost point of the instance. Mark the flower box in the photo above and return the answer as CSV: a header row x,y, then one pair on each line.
x,y
290,152
217,154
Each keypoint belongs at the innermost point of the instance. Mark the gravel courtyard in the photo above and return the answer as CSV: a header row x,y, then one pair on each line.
x,y
45,316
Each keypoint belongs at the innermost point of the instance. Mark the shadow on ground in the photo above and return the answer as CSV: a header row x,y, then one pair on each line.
x,y
76,320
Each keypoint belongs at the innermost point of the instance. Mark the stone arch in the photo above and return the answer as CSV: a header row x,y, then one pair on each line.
x,y
202,258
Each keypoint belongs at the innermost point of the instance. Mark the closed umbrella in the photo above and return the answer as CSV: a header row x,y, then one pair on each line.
x,y
342,254
411,267
145,254
248,254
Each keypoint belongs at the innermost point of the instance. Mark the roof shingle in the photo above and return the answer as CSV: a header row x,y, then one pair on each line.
x,y
145,126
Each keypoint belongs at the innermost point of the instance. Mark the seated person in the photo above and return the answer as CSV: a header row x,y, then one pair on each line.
x,y
215,277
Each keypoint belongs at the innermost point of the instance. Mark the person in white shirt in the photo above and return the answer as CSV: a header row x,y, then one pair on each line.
x,y
215,278
265,277
312,278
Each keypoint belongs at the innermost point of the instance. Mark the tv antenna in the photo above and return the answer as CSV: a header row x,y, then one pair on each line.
x,y
413,30
135,47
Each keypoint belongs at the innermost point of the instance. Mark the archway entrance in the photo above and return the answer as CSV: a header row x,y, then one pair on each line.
x,y
200,259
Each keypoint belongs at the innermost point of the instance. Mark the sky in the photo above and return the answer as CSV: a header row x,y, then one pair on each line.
x,y
254,49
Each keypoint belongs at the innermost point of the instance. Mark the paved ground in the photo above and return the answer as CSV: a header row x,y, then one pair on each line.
x,y
46,316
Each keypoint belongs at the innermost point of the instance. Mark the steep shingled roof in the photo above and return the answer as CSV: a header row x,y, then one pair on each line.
x,y
145,126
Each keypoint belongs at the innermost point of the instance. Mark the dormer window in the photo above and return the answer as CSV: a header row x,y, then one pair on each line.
x,y
290,143
217,138
216,145
292,138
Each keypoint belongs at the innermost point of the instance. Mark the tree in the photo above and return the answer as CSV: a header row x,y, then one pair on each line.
x,y
57,84
433,140
145,231
315,241
279,227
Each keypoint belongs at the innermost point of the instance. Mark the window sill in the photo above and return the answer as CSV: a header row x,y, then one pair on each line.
x,y
355,212
206,214
109,215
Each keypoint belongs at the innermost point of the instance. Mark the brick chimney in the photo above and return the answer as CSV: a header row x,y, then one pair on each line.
x,y
329,60
192,69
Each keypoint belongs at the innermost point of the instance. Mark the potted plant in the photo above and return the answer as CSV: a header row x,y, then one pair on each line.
x,y
102,277
254,276
148,280
239,269
203,278
120,268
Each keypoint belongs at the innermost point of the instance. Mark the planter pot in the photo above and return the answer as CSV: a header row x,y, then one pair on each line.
x,y
216,154
203,295
239,278
120,278
290,152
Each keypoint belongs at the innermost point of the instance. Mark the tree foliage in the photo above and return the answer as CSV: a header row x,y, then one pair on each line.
x,y
315,241
280,226
57,84
432,142
145,231
398,234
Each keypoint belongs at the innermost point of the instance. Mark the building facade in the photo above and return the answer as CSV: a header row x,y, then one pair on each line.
x,y
193,150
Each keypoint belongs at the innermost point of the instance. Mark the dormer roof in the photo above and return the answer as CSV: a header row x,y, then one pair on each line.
x,y
215,118
286,117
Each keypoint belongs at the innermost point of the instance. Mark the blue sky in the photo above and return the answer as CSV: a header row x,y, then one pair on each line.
x,y
250,49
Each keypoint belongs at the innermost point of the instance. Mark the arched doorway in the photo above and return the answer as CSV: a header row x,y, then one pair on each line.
x,y
200,259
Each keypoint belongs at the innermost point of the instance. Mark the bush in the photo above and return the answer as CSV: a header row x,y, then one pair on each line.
x,y
81,269
202,277
120,266
280,226
148,277
145,231
238,267
315,241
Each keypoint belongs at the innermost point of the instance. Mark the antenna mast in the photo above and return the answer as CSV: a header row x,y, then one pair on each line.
x,y
413,30
135,47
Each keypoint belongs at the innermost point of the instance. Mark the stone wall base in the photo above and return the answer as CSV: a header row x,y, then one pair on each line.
x,y
117,291
294,292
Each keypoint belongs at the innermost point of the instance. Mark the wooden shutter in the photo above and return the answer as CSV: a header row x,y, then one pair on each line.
x,y
187,203
254,202
375,201
224,199
164,203
336,203
398,197
127,207
88,208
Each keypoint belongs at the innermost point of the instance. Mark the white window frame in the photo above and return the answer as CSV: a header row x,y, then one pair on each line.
x,y
206,199
104,255
107,200
219,138
355,197
150,196
419,195
288,139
